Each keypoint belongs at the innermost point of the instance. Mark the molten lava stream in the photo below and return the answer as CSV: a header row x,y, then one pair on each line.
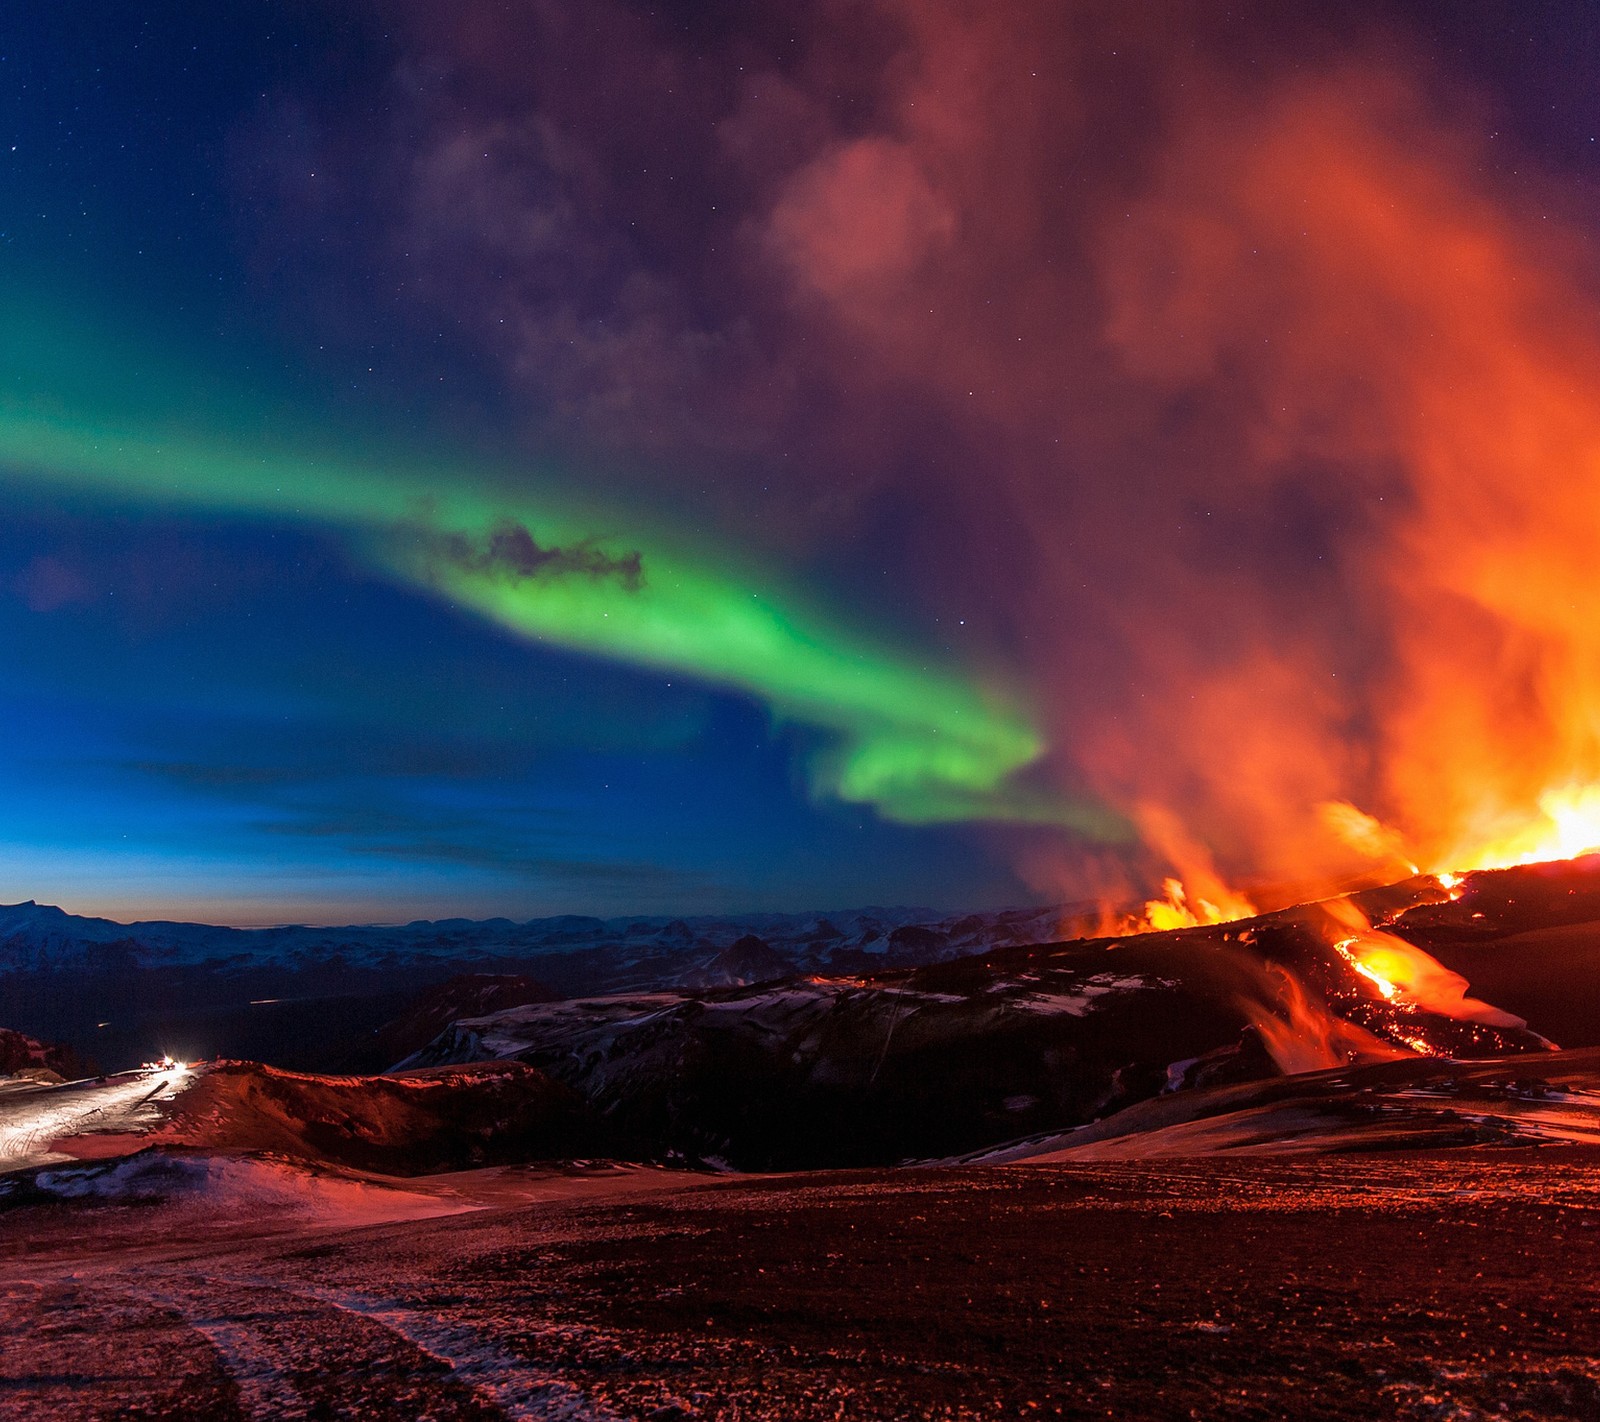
x,y
1405,975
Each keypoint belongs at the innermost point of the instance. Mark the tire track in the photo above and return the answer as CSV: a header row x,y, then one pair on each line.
x,y
294,1355
76,1351
264,1389
31,1120
518,1389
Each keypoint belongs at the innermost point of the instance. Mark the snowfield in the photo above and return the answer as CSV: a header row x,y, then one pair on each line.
x,y
243,1189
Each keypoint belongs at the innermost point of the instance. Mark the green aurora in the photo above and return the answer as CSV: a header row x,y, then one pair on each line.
x,y
921,743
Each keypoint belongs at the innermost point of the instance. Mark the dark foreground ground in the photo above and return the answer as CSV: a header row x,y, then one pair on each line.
x,y
1441,1287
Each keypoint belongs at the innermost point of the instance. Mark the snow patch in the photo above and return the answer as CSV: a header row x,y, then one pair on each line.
x,y
1176,1073
256,1188
1079,1001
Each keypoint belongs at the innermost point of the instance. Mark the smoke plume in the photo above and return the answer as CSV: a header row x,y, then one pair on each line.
x,y
1208,374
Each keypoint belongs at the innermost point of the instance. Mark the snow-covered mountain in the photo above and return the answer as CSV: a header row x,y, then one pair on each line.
x,y
314,997
41,938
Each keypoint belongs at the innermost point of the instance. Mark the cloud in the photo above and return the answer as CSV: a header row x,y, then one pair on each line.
x,y
510,551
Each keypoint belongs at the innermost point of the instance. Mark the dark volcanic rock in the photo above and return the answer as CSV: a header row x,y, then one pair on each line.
x,y
951,1057
451,1118
24,1056
465,995
750,960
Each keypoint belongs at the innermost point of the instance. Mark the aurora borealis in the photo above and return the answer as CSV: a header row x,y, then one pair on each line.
x,y
513,460
111,403
915,742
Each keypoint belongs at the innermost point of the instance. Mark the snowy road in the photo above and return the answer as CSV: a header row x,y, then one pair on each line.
x,y
32,1118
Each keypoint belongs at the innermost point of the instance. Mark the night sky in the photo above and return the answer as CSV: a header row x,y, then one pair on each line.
x,y
523,458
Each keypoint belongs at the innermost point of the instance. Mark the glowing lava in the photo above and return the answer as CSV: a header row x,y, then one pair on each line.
x,y
1195,893
1347,949
1567,825
1178,910
1406,976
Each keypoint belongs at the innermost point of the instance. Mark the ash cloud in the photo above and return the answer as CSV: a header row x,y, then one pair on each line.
x,y
1203,370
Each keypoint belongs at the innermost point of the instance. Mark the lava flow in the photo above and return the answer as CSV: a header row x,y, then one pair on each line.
x,y
1301,1034
1405,975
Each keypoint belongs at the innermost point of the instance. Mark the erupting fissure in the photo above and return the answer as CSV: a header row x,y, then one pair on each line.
x,y
1177,909
1566,825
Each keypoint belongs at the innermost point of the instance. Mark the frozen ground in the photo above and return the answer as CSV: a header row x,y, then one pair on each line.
x,y
1411,1286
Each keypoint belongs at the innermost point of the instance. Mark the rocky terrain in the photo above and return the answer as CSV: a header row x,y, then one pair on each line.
x,y
29,1058
927,1062
1404,1286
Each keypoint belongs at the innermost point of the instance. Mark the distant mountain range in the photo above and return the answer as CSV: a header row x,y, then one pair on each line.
x,y
853,1039
40,938
313,997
